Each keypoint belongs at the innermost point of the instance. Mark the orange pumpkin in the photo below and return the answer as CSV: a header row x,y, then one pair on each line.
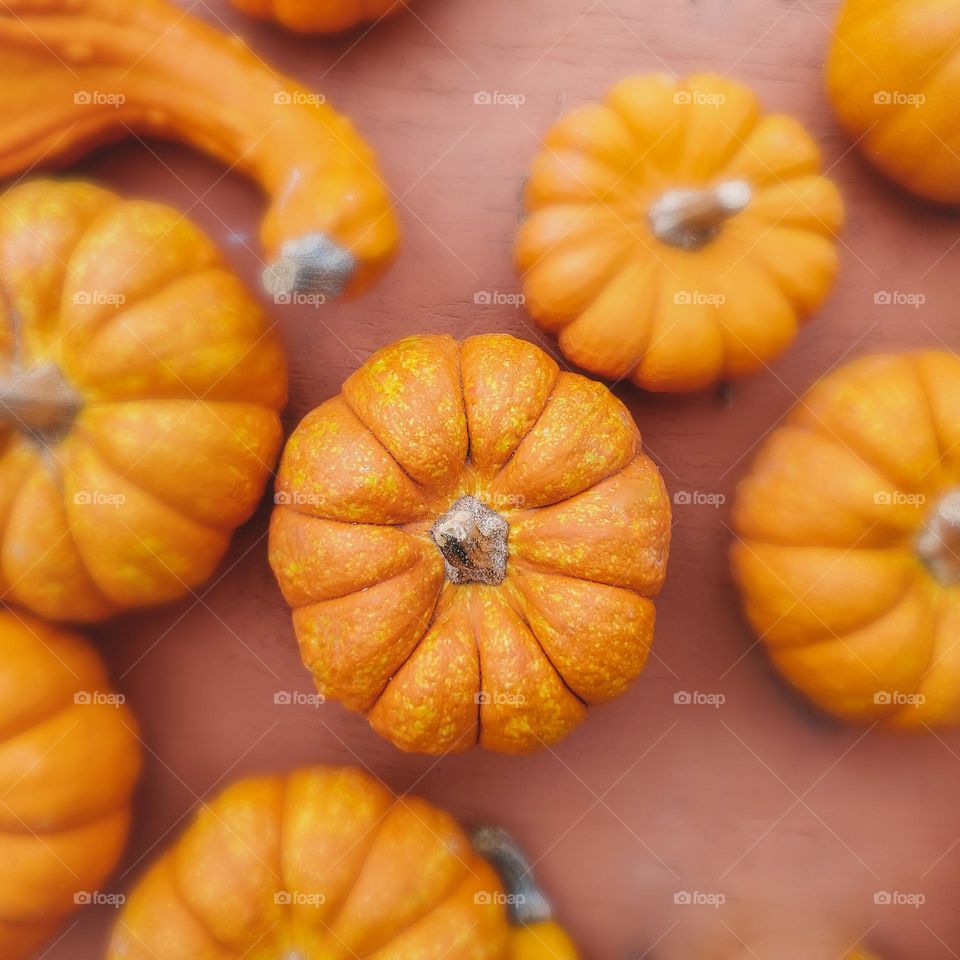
x,y
75,74
676,234
849,537
326,862
139,390
319,16
69,760
893,74
471,541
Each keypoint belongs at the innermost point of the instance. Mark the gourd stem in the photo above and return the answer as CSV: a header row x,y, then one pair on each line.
x,y
689,219
312,265
939,543
526,904
39,401
473,541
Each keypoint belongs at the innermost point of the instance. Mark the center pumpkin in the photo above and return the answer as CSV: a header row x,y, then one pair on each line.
x,y
471,540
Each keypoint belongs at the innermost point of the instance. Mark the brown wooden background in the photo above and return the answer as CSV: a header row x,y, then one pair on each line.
x,y
796,821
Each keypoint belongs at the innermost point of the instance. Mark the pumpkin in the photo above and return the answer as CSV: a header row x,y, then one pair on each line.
x,y
75,74
848,529
892,75
69,760
325,862
471,541
139,390
676,234
319,16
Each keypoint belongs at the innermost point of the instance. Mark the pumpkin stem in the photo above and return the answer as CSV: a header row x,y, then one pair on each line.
x,y
939,542
526,904
39,401
311,265
473,541
690,219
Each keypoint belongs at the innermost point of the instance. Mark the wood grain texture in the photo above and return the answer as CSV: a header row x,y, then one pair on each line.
x,y
796,821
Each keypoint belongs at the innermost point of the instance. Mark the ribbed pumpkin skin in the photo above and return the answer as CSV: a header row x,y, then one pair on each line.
x,y
67,771
828,521
439,666
319,16
323,862
626,305
893,76
181,381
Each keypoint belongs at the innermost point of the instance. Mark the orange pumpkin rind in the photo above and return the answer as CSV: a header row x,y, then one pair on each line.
x,y
320,16
319,862
80,73
898,109
393,502
675,234
140,386
69,761
848,535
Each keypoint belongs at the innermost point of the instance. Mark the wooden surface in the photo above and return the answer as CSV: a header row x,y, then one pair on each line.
x,y
796,821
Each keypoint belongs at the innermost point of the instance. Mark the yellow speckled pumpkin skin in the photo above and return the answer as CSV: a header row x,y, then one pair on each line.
x,y
319,16
438,665
322,862
69,760
843,576
892,74
628,299
178,381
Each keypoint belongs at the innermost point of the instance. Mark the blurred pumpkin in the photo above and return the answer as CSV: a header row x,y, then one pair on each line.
x,y
471,541
139,390
319,16
676,234
893,74
848,529
75,74
322,862
69,760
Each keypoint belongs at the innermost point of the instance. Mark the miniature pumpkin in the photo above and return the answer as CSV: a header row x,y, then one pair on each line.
x,y
69,760
849,538
319,16
75,74
676,235
139,390
893,74
471,541
323,862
